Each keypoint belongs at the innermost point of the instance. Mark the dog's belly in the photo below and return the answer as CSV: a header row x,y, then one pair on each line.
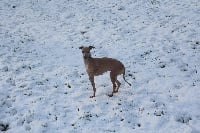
x,y
99,72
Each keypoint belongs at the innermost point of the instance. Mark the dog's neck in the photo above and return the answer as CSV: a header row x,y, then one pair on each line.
x,y
86,60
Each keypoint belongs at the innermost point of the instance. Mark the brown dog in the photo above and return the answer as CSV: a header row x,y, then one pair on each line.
x,y
97,66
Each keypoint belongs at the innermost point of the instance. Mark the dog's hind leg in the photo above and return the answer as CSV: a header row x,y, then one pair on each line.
x,y
113,78
118,85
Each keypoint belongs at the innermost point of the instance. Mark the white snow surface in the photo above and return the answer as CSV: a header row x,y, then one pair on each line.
x,y
44,86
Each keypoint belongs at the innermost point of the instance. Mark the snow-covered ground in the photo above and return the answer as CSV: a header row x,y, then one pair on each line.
x,y
43,83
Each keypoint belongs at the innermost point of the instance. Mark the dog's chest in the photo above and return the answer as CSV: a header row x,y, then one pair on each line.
x,y
89,66
86,67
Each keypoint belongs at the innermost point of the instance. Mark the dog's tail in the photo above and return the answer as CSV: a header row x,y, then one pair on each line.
x,y
124,78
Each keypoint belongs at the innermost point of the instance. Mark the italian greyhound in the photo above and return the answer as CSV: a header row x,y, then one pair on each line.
x,y
97,66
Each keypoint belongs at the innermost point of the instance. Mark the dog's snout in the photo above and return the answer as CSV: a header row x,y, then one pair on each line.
x,y
86,54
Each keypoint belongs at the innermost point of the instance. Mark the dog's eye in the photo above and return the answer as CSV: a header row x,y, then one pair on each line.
x,y
83,52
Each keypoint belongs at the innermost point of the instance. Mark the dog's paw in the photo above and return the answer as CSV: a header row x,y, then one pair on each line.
x,y
110,95
92,96
115,91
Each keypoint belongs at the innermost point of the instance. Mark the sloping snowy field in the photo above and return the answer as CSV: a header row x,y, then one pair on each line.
x,y
43,83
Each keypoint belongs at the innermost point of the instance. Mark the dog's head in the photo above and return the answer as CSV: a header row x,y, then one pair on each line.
x,y
86,51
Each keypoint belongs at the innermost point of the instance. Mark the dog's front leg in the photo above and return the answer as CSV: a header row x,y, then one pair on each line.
x,y
91,77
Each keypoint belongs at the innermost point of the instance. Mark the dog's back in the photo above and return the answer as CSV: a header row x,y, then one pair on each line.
x,y
101,65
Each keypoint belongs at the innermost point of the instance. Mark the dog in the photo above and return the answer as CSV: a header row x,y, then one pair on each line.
x,y
97,66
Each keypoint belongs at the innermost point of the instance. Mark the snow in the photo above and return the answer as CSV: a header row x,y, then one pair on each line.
x,y
43,83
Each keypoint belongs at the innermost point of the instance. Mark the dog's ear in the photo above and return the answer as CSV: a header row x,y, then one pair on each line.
x,y
81,47
91,47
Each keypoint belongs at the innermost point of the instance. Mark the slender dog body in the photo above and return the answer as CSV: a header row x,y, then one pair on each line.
x,y
97,66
